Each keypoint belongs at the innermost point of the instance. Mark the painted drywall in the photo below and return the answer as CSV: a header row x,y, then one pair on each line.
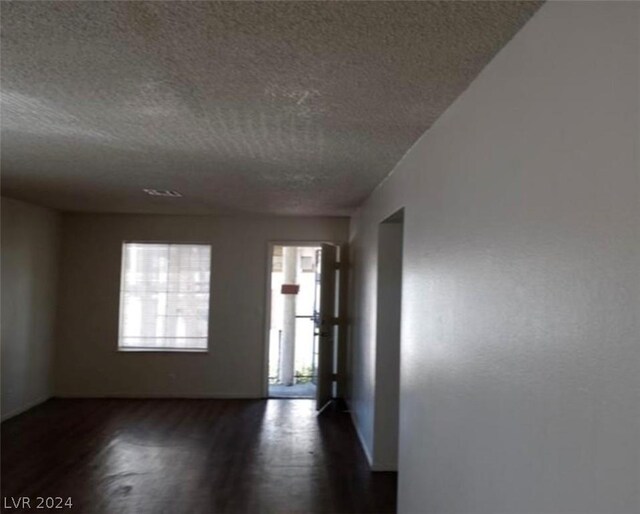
x,y
389,301
520,346
29,249
87,360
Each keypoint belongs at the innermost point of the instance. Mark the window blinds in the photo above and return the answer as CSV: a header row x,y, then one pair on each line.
x,y
164,296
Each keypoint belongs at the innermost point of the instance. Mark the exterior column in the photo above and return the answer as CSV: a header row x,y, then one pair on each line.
x,y
287,349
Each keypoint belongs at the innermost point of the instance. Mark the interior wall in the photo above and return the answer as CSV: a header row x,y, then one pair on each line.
x,y
520,307
30,237
387,387
87,360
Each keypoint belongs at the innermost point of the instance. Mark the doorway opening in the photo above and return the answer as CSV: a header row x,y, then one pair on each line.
x,y
294,318
389,314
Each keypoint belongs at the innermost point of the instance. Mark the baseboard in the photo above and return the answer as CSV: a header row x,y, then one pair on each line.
x,y
361,439
24,408
384,466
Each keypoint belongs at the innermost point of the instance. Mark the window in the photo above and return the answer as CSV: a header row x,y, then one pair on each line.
x,y
164,297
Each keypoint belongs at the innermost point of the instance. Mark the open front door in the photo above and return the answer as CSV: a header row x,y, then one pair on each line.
x,y
326,326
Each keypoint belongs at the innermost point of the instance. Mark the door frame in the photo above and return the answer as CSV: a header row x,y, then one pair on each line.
x,y
267,304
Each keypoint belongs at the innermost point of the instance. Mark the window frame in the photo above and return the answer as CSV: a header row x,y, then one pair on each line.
x,y
121,349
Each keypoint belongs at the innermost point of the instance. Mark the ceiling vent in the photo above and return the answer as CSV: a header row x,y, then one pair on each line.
x,y
162,192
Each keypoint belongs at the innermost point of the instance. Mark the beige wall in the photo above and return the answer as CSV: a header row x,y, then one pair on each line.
x,y
29,278
520,345
87,362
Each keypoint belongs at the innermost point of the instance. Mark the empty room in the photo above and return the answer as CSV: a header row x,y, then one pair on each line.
x,y
329,257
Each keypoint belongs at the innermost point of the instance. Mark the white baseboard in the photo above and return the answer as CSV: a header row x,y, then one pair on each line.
x,y
24,408
361,439
384,466
375,466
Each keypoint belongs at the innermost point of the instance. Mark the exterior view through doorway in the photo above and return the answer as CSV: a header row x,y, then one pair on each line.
x,y
293,324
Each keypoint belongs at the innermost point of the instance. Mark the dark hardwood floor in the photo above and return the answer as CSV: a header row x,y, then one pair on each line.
x,y
191,456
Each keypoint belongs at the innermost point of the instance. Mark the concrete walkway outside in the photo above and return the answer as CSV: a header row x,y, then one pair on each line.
x,y
295,391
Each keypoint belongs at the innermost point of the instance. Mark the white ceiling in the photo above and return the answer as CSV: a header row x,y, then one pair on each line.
x,y
243,107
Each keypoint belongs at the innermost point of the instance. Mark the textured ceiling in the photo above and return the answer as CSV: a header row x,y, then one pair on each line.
x,y
243,107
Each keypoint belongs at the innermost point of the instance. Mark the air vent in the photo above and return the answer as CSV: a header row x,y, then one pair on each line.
x,y
162,192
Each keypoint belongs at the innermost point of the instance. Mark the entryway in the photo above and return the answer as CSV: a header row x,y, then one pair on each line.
x,y
293,329
307,332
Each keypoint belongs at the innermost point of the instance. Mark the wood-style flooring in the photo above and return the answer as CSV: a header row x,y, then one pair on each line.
x,y
190,456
